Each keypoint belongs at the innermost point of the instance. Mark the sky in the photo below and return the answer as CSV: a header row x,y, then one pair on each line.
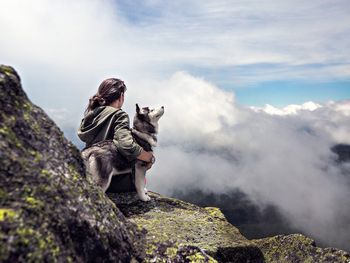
x,y
255,92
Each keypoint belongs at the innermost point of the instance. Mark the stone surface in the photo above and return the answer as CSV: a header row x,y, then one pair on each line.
x,y
298,248
173,224
48,210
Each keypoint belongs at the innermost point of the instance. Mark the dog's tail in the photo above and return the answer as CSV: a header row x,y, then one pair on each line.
x,y
97,168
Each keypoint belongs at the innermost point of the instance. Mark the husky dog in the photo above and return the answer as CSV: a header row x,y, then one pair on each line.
x,y
103,160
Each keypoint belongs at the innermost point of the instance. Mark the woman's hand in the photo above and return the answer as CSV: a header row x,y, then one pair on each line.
x,y
145,156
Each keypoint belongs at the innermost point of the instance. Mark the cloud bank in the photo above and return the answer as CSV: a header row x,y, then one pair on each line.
x,y
209,142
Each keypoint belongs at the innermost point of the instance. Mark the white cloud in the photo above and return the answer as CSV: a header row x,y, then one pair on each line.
x,y
288,110
282,160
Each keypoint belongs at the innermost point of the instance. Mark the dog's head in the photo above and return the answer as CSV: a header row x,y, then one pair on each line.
x,y
147,115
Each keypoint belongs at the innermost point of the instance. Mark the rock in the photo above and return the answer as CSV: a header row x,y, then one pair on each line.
x,y
298,248
49,211
174,225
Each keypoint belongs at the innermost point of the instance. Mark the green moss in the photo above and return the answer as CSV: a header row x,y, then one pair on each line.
x,y
33,202
196,258
3,194
27,116
7,213
8,120
25,231
37,155
73,172
24,235
171,252
45,172
27,107
12,137
45,246
151,248
27,190
36,127
7,70
215,212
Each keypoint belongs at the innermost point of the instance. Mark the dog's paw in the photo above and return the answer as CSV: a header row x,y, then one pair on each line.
x,y
145,198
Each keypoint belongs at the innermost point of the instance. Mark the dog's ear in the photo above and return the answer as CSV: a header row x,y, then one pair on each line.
x,y
137,108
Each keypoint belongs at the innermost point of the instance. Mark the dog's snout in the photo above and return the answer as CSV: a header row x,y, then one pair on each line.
x,y
163,107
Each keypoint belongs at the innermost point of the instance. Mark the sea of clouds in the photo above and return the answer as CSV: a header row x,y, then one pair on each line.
x,y
276,156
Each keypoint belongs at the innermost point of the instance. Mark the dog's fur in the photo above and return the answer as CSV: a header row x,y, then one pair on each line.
x,y
103,160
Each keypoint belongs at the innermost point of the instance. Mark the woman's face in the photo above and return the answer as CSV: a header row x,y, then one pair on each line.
x,y
122,99
118,103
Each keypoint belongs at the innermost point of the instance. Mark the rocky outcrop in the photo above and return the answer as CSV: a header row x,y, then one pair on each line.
x,y
251,220
49,211
173,225
298,248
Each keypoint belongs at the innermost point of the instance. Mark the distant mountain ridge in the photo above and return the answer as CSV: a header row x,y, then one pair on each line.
x,y
342,151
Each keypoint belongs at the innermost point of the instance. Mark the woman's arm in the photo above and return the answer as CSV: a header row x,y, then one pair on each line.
x,y
124,140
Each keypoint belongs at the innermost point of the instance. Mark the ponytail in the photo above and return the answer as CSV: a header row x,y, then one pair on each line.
x,y
109,91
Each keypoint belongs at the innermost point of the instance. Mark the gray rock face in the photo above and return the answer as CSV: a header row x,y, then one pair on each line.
x,y
48,210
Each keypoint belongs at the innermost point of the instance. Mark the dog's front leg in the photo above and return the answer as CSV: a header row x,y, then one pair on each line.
x,y
140,173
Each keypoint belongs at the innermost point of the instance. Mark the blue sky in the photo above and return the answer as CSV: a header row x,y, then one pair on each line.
x,y
281,93
321,77
265,52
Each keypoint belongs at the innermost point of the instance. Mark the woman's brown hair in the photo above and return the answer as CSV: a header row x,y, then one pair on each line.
x,y
109,90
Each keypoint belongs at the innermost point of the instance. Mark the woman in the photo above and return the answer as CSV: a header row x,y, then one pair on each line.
x,y
105,120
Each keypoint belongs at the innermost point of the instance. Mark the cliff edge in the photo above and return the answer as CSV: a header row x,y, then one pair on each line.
x,y
50,212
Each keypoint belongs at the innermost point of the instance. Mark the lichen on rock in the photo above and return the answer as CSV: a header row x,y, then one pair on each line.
x,y
174,225
298,248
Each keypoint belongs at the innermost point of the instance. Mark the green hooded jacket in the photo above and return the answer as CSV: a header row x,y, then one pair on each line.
x,y
109,123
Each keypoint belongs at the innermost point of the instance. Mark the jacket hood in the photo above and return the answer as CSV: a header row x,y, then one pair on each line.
x,y
93,122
